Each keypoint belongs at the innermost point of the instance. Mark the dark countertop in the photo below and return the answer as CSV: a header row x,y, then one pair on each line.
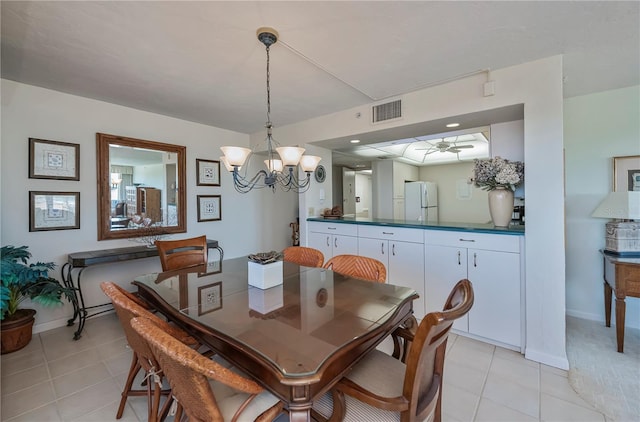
x,y
515,229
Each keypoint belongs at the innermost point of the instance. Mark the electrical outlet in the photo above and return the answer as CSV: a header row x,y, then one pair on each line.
x,y
311,211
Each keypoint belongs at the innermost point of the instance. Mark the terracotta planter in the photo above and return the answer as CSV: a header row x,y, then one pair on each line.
x,y
17,330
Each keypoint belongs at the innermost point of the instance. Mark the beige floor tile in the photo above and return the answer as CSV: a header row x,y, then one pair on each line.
x,y
24,379
74,362
73,382
558,386
475,345
60,344
88,400
553,370
120,363
518,371
508,393
515,356
108,413
490,411
112,348
48,413
26,400
464,377
34,346
12,364
458,403
555,409
468,357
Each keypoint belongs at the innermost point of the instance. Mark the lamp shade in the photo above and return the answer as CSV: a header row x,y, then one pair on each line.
x,y
624,205
309,163
274,165
236,156
228,166
290,155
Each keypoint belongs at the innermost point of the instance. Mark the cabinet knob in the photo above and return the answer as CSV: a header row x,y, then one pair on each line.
x,y
466,240
382,248
475,264
393,249
458,257
389,233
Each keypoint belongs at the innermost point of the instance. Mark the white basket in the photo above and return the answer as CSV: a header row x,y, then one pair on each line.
x,y
622,237
265,276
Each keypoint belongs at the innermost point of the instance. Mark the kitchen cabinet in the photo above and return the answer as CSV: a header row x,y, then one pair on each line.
x,y
333,238
401,250
493,264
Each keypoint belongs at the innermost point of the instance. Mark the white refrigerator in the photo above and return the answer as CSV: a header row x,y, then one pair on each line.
x,y
421,202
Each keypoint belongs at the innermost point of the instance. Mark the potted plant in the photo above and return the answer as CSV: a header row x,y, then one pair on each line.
x,y
19,282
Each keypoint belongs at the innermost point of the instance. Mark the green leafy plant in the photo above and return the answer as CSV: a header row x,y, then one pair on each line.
x,y
21,280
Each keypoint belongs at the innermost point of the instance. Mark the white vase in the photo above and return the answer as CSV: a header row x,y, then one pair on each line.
x,y
501,206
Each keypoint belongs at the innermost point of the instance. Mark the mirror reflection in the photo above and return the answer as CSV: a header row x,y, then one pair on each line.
x,y
141,186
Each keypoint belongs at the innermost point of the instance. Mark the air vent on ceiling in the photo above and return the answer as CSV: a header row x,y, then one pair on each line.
x,y
387,111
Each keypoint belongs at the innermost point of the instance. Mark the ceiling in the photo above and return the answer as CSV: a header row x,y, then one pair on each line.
x,y
201,61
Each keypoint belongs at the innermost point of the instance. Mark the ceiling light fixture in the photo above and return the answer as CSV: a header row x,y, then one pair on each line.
x,y
283,171
355,141
453,124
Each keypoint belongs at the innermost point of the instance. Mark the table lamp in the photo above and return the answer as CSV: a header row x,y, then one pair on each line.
x,y
622,234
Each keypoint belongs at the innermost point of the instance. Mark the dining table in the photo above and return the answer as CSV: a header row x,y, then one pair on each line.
x,y
298,338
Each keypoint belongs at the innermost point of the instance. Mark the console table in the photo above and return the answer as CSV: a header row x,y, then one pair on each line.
x,y
621,275
82,260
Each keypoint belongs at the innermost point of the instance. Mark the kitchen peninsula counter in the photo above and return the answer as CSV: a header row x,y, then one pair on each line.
x,y
514,229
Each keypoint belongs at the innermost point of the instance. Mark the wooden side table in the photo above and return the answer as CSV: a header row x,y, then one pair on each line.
x,y
621,275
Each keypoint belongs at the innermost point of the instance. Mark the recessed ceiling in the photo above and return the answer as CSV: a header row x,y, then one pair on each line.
x,y
201,61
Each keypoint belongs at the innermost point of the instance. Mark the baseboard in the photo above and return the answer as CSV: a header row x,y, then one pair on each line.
x,y
50,325
599,318
547,359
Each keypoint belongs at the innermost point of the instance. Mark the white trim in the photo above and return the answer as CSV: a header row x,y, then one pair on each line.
x,y
547,359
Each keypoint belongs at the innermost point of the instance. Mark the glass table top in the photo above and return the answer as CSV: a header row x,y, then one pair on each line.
x,y
296,325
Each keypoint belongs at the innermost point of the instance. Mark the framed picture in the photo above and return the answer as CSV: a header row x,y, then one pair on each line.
x,y
209,208
626,173
209,298
207,172
54,211
53,160
213,267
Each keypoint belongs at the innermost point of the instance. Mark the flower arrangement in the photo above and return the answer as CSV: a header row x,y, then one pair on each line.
x,y
497,172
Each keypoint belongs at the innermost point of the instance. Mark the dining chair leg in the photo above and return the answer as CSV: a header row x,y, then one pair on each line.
x,y
133,371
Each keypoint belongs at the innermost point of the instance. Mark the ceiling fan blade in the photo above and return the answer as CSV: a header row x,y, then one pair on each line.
x,y
462,146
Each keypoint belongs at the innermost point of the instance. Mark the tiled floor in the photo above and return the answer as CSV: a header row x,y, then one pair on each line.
x,y
57,379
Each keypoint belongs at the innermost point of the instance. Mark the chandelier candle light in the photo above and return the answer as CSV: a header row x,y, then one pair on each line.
x,y
281,171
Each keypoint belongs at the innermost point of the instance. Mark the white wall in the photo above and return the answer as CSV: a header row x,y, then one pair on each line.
x,y
250,223
597,127
538,86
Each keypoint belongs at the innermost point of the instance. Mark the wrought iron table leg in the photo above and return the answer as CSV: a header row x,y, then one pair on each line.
x,y
68,282
82,311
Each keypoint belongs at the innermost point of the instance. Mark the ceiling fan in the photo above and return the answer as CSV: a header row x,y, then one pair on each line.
x,y
444,146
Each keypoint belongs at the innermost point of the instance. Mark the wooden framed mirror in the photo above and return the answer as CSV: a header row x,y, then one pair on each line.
x,y
141,187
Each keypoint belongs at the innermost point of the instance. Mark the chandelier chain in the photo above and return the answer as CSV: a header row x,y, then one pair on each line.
x,y
268,92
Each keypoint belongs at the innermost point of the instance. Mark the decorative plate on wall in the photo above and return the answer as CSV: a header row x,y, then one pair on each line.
x,y
321,174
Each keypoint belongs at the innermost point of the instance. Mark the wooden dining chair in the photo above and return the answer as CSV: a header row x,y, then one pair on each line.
x,y
207,390
301,255
143,359
382,388
361,267
182,253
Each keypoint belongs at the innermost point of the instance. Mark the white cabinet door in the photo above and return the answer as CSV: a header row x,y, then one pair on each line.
x,y
406,268
374,248
444,267
321,242
344,245
496,284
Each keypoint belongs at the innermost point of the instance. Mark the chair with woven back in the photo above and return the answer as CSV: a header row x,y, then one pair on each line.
x,y
182,253
207,390
302,255
361,267
382,388
127,309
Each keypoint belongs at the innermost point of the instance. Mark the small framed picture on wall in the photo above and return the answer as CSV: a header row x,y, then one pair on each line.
x,y
54,211
626,173
209,208
53,160
207,172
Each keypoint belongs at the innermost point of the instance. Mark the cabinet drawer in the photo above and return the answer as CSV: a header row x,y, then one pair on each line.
x,y
334,228
494,242
391,233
